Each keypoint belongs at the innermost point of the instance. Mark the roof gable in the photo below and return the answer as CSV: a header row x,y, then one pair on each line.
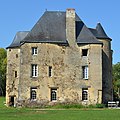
x,y
84,34
51,28
18,38
99,32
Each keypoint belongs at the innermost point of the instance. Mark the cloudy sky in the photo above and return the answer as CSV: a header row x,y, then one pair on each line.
x,y
21,15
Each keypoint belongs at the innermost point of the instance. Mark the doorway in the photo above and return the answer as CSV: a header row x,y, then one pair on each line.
x,y
11,102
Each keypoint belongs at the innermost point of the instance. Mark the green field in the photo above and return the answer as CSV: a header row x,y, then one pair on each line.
x,y
58,114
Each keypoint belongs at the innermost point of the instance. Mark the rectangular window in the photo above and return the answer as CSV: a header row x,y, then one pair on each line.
x,y
84,52
34,70
15,74
85,72
84,94
50,71
33,93
53,94
34,50
16,55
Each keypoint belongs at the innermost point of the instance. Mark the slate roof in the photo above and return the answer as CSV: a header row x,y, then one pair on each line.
x,y
85,36
18,38
99,32
51,28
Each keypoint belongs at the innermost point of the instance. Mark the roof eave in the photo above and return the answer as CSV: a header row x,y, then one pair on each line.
x,y
89,43
104,38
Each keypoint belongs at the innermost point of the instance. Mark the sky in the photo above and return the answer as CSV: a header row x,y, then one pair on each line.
x,y
21,15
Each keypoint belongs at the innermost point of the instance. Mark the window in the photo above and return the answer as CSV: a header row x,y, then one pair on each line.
x,y
34,50
85,94
53,94
85,72
84,52
50,71
33,93
34,70
15,74
16,55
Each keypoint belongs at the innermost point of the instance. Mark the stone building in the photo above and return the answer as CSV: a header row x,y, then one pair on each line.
x,y
60,60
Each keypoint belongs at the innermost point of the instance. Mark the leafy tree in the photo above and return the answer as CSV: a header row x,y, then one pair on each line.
x,y
116,80
3,64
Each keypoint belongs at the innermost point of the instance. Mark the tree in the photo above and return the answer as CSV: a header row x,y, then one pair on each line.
x,y
116,80
3,65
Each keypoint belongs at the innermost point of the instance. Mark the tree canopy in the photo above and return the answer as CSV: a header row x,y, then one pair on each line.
x,y
3,64
116,79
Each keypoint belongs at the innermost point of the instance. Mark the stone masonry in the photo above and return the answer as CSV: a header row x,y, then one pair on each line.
x,y
66,75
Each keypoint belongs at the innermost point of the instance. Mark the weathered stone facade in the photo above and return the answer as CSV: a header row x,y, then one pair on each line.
x,y
66,63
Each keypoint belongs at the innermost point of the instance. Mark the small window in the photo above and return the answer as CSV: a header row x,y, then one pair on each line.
x,y
53,94
34,50
85,72
16,55
15,74
33,93
34,70
85,94
84,52
50,71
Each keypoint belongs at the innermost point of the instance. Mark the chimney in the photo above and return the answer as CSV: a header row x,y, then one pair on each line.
x,y
70,27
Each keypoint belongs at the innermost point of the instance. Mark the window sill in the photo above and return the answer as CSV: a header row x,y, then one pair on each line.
x,y
33,100
85,100
54,101
34,76
85,78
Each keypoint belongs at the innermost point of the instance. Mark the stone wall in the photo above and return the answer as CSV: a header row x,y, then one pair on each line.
x,y
107,71
66,65
13,67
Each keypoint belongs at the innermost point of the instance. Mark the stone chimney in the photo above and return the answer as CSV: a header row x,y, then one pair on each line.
x,y
70,27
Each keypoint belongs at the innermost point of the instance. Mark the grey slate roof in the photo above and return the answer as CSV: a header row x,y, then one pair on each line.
x,y
18,38
85,35
51,28
99,32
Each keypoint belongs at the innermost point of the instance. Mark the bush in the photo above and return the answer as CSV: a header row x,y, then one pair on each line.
x,y
75,105
100,105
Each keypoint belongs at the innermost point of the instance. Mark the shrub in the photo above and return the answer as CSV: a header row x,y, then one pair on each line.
x,y
100,105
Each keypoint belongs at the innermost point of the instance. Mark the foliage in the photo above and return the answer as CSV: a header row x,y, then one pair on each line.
x,y
3,64
2,102
75,106
116,79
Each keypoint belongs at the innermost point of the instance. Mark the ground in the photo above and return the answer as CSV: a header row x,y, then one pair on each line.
x,y
7,113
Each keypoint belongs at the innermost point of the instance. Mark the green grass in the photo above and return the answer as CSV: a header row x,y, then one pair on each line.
x,y
2,102
7,113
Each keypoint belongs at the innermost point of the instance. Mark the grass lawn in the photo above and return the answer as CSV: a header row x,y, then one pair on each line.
x,y
66,114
